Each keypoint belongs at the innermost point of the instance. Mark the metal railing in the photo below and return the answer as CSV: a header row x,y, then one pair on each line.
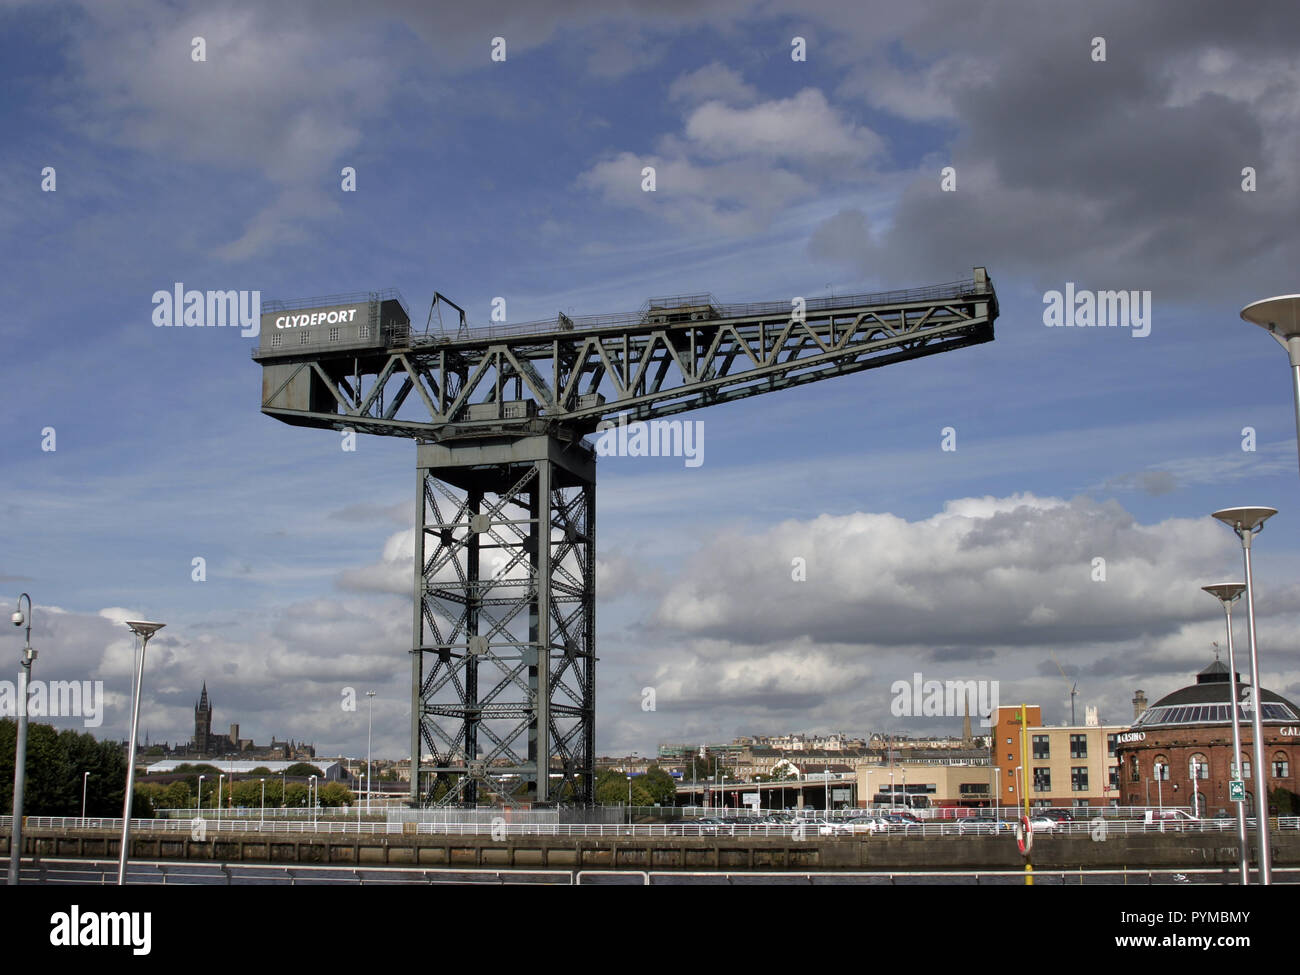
x,y
64,870
757,309
501,829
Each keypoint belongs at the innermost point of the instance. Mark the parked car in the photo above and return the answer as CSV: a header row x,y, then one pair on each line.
x,y
901,821
979,825
1043,824
819,826
867,824
1170,818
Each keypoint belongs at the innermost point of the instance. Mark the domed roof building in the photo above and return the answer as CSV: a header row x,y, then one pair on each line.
x,y
1178,752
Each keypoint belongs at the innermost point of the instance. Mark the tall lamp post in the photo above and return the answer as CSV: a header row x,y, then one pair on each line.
x,y
20,749
1228,593
1247,523
144,630
1196,792
369,728
1280,316
85,781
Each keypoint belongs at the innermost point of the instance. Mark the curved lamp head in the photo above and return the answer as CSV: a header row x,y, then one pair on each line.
x,y
1281,317
1244,519
18,617
1226,592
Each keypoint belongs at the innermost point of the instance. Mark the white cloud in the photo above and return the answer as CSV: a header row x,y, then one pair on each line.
x,y
713,82
804,128
984,572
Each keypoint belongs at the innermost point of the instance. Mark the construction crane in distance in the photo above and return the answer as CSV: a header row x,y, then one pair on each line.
x,y
503,655
1074,688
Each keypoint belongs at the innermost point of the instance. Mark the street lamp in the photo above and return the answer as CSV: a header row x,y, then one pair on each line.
x,y
1281,317
370,727
1228,593
312,794
284,795
1196,792
198,802
1247,523
261,823
144,630
85,780
20,749
219,779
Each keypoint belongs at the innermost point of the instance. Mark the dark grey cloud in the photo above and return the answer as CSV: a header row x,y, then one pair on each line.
x,y
1123,173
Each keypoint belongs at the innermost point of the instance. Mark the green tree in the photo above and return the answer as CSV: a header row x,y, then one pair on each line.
x,y
612,789
1284,802
177,795
247,793
660,786
303,770
142,801
336,794
56,761
297,795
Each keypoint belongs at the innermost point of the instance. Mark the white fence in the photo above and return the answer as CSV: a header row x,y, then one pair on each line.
x,y
501,829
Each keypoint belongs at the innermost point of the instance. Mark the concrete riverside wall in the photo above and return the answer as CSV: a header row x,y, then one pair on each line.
x,y
1138,850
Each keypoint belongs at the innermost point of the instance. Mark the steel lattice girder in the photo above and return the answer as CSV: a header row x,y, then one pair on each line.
x,y
481,383
503,658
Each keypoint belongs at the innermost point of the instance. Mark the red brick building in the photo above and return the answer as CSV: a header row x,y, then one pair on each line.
x,y
1178,752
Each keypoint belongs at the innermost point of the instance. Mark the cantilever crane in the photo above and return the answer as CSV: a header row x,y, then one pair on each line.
x,y
503,632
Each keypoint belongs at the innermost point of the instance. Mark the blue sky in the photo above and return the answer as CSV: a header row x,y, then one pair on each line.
x,y
776,177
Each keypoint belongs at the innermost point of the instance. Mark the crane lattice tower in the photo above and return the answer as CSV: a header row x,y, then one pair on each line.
x,y
503,653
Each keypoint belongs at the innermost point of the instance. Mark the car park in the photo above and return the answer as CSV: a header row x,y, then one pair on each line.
x,y
867,824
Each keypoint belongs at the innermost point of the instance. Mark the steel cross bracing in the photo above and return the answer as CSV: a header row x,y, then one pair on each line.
x,y
676,355
503,633
503,664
